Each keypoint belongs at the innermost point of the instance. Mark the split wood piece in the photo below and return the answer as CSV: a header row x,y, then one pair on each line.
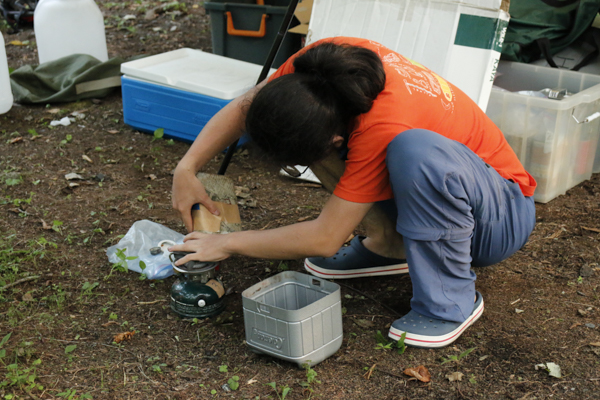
x,y
221,190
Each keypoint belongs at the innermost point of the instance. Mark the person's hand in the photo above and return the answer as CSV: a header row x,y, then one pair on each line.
x,y
205,247
187,191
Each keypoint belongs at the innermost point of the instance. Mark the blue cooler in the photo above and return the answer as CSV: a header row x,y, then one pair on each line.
x,y
181,90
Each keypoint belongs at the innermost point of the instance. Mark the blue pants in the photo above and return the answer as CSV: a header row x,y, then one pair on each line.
x,y
454,211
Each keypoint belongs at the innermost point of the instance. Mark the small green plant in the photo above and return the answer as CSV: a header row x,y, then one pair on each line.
x,y
71,394
113,316
2,343
67,139
87,288
13,181
384,344
22,377
233,382
459,357
121,265
158,134
56,226
223,368
311,378
69,351
284,390
283,266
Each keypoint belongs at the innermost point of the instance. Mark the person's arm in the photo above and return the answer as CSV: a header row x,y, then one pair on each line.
x,y
221,130
320,237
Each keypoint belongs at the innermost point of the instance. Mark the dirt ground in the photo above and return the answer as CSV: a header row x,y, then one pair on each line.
x,y
62,303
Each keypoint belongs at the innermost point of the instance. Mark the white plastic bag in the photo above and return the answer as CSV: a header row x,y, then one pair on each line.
x,y
141,237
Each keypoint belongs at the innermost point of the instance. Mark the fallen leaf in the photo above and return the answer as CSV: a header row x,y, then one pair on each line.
x,y
455,376
364,323
151,177
72,176
16,140
518,311
552,369
113,131
123,336
109,323
27,297
595,344
45,225
581,312
16,43
53,110
421,373
576,324
251,381
483,357
556,234
86,158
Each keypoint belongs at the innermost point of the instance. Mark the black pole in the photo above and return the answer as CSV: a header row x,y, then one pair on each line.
x,y
265,71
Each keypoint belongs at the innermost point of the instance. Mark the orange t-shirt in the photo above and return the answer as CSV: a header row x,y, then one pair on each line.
x,y
414,97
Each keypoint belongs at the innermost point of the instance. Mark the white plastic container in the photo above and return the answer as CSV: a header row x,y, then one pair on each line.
x,y
6,97
65,27
555,140
459,40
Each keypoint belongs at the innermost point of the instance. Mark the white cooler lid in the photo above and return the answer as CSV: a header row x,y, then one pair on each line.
x,y
196,71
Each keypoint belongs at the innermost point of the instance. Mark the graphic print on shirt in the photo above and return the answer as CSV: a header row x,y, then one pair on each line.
x,y
417,78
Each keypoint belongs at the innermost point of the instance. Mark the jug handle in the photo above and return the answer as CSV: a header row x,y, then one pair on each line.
x,y
262,30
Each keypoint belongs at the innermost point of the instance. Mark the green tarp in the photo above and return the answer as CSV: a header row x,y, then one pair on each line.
x,y
66,79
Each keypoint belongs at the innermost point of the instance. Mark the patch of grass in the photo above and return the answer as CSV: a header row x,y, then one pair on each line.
x,y
384,344
457,358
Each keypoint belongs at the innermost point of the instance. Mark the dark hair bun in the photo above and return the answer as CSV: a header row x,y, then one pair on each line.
x,y
356,74
295,117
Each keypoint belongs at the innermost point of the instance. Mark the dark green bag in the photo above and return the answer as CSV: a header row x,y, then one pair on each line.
x,y
542,28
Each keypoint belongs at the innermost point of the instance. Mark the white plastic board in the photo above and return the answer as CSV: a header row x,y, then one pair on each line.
x,y
196,71
458,40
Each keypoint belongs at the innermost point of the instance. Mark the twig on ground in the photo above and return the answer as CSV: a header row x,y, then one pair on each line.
x,y
370,372
29,278
581,304
145,303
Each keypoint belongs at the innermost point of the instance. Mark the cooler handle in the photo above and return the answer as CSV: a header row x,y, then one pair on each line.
x,y
262,30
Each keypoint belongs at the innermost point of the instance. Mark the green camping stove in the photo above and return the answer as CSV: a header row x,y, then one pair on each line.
x,y
197,292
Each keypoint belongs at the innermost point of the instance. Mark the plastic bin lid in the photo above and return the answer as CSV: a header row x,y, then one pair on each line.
x,y
196,71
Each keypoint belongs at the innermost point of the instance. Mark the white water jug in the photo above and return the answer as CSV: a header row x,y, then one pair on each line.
x,y
6,97
65,27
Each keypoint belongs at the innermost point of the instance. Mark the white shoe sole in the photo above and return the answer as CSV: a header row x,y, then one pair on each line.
x,y
355,273
432,342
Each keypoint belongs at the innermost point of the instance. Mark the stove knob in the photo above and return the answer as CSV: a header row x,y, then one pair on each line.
x,y
201,303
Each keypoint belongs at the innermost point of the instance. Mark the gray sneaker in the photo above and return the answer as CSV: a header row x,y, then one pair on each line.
x,y
430,333
354,261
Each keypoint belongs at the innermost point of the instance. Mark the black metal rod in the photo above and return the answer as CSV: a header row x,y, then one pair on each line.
x,y
287,19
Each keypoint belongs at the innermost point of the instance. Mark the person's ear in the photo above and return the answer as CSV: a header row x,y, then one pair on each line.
x,y
337,141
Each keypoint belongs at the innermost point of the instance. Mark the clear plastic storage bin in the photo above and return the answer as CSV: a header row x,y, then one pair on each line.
x,y
294,316
556,140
